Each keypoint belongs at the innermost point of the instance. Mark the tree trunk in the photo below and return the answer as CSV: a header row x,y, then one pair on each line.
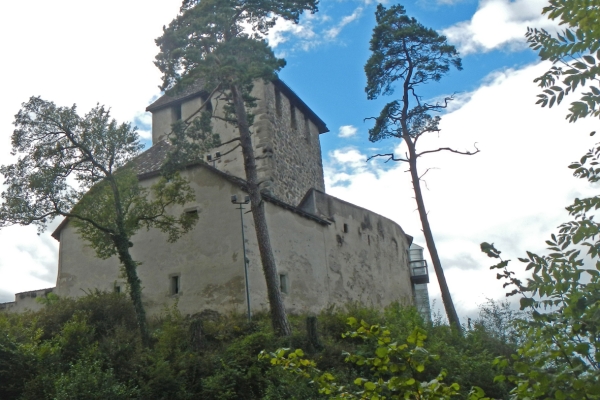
x,y
435,259
135,286
279,319
314,344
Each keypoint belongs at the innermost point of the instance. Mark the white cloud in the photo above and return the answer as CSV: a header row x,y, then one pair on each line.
x,y
498,24
284,30
70,53
347,131
349,157
513,193
312,30
333,32
440,2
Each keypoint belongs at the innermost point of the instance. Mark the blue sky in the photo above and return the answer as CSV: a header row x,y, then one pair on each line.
x,y
332,70
513,193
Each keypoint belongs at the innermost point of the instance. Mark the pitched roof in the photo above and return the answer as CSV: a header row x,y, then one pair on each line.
x,y
241,183
194,90
148,165
197,89
152,159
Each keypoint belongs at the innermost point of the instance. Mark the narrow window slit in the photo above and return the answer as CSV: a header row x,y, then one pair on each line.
x,y
175,285
283,283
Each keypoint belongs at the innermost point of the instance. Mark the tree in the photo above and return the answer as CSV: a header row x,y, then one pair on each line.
x,y
84,169
574,54
559,356
208,41
406,52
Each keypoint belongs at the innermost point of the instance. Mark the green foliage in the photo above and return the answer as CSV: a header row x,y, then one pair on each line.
x,y
87,380
395,369
559,354
574,53
208,41
55,145
89,347
63,157
405,53
190,140
104,312
218,46
142,207
17,353
83,168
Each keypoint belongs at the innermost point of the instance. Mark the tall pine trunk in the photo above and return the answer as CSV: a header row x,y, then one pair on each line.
x,y
279,319
435,258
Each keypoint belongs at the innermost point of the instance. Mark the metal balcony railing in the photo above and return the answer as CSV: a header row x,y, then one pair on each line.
x,y
419,272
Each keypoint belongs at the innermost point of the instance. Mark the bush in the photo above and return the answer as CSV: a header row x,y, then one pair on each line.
x,y
91,347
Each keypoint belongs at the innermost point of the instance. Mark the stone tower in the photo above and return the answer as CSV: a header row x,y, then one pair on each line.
x,y
285,137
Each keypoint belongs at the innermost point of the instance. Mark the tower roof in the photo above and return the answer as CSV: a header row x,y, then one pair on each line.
x,y
197,89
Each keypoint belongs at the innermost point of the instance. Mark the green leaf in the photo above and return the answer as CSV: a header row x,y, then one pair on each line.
x,y
590,60
369,386
381,352
559,395
526,302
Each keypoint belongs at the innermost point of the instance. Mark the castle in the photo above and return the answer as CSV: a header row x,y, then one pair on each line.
x,y
328,251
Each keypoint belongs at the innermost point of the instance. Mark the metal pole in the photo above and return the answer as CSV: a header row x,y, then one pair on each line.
x,y
245,263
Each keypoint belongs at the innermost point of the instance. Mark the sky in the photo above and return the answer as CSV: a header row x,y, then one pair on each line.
x,y
513,193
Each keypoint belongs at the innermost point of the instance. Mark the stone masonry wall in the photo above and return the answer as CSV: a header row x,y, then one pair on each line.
x,y
289,161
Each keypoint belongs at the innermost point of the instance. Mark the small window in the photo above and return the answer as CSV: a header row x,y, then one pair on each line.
x,y
283,283
175,284
306,129
294,122
345,228
278,102
191,211
177,112
117,289
207,104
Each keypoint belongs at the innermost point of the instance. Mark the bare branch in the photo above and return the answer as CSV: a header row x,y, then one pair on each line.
x,y
423,180
229,141
438,106
466,153
424,173
231,150
203,104
391,157
89,221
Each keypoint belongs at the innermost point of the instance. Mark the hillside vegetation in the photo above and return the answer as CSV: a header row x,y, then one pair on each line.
x,y
89,348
